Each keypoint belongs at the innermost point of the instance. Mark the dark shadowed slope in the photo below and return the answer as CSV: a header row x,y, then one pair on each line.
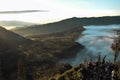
x,y
9,38
9,53
66,24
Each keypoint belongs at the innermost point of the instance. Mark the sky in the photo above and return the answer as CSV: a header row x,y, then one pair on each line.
x,y
45,11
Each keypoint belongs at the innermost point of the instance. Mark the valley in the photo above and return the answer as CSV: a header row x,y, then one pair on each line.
x,y
43,52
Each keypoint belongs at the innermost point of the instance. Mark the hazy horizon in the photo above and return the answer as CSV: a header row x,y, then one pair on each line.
x,y
39,11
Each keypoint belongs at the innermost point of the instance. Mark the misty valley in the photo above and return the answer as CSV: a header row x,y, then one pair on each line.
x,y
97,40
70,49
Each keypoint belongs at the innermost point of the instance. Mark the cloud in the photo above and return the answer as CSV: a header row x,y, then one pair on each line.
x,y
21,11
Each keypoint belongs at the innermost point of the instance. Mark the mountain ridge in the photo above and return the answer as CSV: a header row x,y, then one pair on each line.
x,y
10,38
66,24
15,24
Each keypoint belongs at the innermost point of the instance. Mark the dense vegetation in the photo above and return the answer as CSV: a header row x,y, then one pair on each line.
x,y
75,73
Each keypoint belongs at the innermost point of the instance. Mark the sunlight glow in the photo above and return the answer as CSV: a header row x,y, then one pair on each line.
x,y
57,9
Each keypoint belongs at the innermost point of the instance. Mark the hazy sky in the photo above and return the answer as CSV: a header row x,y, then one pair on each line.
x,y
56,9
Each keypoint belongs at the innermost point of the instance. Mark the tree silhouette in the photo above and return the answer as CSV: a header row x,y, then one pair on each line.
x,y
116,45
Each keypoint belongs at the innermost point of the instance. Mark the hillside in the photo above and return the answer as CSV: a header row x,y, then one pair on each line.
x,y
66,24
9,52
41,54
51,49
11,39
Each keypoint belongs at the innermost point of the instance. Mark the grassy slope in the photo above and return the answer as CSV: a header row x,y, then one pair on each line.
x,y
40,55
50,49
55,45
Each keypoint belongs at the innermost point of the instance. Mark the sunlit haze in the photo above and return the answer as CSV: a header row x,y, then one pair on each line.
x,y
58,9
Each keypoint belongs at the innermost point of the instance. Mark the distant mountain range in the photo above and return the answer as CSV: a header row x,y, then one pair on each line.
x,y
66,24
15,24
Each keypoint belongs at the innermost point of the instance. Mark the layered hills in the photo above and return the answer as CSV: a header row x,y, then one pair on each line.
x,y
38,53
16,24
66,24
